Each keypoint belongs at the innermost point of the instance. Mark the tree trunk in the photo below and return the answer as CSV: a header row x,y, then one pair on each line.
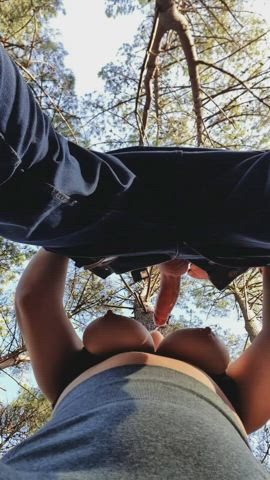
x,y
14,358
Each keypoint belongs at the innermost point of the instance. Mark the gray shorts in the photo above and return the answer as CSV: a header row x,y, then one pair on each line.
x,y
137,422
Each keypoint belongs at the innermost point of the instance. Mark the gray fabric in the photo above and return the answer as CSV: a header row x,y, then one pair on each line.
x,y
138,422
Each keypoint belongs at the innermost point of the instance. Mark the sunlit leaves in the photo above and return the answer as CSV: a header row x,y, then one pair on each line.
x,y
23,417
121,7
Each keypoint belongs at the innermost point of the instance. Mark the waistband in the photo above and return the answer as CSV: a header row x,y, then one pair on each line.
x,y
142,382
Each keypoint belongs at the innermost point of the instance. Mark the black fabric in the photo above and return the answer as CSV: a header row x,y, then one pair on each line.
x,y
210,207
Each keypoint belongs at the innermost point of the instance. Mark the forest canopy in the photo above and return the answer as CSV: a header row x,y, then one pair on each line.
x,y
197,73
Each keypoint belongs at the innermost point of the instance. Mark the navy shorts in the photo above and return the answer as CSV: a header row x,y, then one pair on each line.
x,y
149,202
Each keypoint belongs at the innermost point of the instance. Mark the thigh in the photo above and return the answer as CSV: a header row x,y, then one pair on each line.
x,y
42,174
25,128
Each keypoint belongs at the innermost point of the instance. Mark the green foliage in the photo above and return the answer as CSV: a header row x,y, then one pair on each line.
x,y
22,25
123,7
27,36
259,442
232,41
23,417
86,296
12,259
204,299
226,35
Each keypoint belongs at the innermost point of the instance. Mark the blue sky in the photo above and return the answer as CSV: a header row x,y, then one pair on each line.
x,y
92,40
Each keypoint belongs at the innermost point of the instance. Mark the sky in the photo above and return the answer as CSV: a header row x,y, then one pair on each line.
x,y
92,40
81,30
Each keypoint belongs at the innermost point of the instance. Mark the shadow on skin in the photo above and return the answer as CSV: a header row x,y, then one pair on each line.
x,y
200,347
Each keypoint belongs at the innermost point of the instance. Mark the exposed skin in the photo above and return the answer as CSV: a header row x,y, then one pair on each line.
x,y
55,348
199,347
157,338
114,333
170,283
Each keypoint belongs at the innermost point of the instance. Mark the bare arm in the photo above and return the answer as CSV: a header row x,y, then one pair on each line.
x,y
251,370
49,336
